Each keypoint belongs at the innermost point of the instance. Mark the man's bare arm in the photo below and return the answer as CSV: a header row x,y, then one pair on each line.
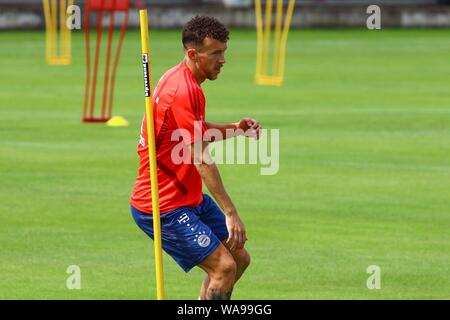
x,y
246,126
211,177
227,130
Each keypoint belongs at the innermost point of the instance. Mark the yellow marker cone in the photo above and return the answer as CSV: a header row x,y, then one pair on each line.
x,y
117,121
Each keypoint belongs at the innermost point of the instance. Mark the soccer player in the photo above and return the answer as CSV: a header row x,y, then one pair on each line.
x,y
194,230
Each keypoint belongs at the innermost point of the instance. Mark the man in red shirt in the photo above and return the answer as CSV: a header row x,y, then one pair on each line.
x,y
194,230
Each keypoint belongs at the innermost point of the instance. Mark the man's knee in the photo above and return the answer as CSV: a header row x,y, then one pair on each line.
x,y
247,259
227,268
243,260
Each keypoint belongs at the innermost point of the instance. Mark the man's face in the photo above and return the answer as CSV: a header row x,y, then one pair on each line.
x,y
211,57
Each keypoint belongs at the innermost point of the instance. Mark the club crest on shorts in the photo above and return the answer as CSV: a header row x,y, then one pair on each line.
x,y
203,240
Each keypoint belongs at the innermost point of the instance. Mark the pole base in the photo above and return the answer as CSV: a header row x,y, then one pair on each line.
x,y
59,61
92,120
269,80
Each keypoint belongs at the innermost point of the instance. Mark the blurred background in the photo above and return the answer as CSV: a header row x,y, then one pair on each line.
x,y
27,14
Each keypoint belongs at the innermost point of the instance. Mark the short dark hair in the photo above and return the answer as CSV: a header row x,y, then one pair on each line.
x,y
200,27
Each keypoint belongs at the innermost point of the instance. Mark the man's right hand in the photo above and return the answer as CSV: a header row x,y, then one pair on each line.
x,y
236,232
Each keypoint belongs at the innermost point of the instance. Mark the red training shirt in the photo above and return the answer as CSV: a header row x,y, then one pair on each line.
x,y
178,101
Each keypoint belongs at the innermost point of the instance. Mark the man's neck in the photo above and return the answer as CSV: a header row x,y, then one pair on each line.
x,y
191,66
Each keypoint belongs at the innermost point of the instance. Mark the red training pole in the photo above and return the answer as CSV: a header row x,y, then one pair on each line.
x,y
88,61
116,62
108,58
97,53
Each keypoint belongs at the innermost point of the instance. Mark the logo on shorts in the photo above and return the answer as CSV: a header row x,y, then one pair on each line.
x,y
183,218
203,241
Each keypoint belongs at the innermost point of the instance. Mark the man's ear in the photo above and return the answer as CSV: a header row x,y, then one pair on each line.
x,y
192,54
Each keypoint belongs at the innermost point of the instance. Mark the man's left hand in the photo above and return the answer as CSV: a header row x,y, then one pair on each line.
x,y
251,127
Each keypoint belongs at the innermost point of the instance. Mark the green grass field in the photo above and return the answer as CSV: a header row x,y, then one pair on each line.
x,y
364,177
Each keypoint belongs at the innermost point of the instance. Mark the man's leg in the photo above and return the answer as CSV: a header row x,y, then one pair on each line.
x,y
212,216
242,260
221,269
203,288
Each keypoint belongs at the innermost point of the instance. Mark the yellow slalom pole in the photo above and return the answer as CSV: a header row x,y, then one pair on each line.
x,y
65,34
68,35
54,29
276,50
152,154
260,39
284,38
47,15
62,31
267,36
